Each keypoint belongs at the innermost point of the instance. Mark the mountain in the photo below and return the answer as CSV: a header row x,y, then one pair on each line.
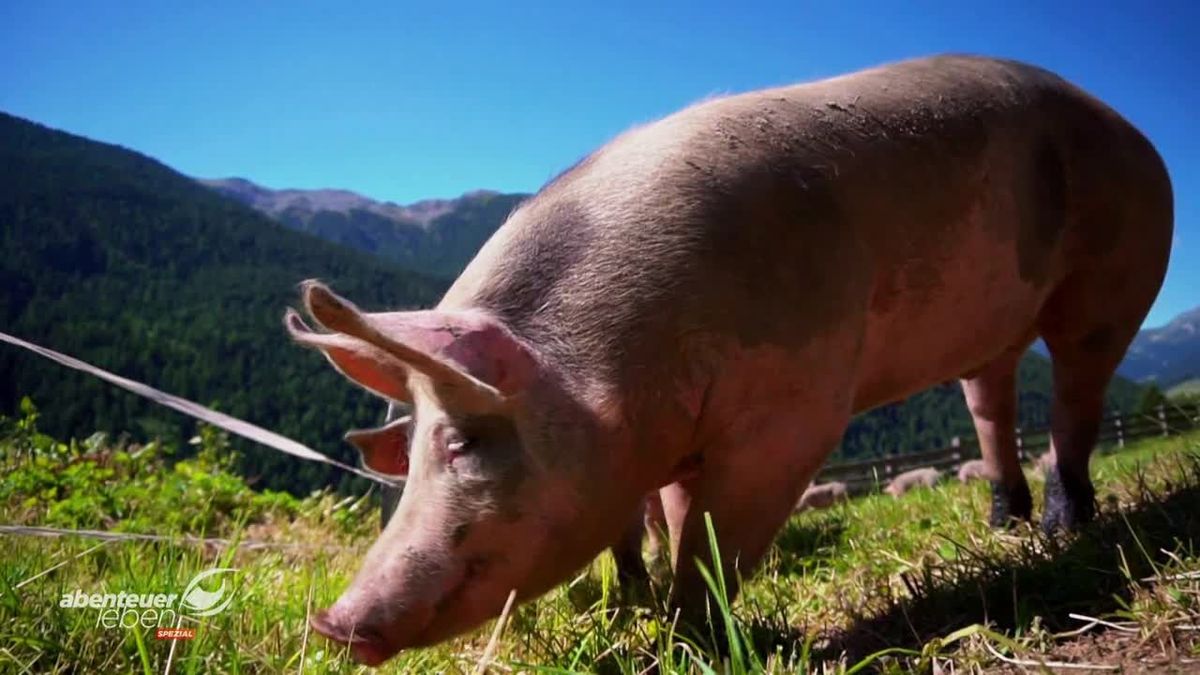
x,y
113,257
1168,355
435,236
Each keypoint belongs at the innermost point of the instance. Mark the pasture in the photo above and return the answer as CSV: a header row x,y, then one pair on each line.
x,y
879,584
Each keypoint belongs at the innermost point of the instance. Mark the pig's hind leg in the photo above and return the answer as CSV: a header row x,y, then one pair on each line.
x,y
991,394
1087,329
1118,251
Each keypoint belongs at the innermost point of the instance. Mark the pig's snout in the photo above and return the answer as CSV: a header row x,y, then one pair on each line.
x,y
375,626
367,645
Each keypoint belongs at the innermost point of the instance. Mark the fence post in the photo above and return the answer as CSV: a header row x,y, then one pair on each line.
x,y
1162,419
1020,444
1120,431
956,445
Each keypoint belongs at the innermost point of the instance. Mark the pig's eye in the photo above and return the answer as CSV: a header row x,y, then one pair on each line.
x,y
458,444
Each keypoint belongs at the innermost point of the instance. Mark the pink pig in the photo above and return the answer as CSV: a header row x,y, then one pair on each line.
x,y
823,496
975,469
926,477
701,305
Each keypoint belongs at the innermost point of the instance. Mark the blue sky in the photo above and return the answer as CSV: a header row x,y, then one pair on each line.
x,y
404,102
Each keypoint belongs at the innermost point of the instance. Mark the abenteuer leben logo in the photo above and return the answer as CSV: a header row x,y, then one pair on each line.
x,y
164,611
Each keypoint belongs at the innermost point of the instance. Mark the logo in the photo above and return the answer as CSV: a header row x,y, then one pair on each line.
x,y
162,611
200,602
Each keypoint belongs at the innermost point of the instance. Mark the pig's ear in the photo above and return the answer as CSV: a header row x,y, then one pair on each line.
x,y
384,450
357,360
471,360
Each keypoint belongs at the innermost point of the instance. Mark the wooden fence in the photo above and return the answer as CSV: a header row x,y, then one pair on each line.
x,y
866,475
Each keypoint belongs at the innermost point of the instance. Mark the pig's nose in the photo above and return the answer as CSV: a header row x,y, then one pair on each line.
x,y
366,645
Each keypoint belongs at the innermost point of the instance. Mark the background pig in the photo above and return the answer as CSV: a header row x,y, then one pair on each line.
x,y
822,496
702,304
974,469
925,477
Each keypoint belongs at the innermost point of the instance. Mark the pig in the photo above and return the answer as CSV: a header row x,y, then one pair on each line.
x,y
700,306
925,477
823,496
972,470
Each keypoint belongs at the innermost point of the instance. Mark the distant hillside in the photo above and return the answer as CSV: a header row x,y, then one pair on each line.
x,y
113,257
1168,355
436,236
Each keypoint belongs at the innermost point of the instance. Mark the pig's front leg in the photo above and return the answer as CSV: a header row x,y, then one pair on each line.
x,y
750,488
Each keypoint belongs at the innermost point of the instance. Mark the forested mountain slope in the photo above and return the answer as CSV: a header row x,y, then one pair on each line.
x,y
110,256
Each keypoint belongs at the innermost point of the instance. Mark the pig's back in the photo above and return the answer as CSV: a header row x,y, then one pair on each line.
x,y
773,215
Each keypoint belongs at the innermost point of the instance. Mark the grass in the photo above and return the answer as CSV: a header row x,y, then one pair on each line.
x,y
916,584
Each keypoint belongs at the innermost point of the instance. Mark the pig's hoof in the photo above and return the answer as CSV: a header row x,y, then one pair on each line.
x,y
1010,504
1070,501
